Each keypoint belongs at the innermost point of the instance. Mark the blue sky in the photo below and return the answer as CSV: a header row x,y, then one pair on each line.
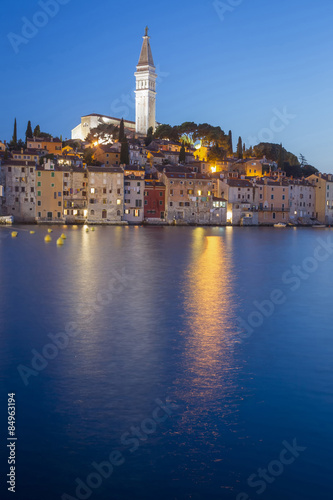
x,y
240,64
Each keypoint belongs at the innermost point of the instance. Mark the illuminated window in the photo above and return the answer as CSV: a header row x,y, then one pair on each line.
x,y
118,202
92,190
199,193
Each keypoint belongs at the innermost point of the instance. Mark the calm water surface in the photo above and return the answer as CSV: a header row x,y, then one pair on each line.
x,y
157,314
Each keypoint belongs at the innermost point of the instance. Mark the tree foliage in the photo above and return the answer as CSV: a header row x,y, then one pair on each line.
x,y
182,154
124,152
240,148
104,133
28,132
216,154
37,131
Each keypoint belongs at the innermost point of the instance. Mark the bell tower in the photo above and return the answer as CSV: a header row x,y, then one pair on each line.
x,y
145,93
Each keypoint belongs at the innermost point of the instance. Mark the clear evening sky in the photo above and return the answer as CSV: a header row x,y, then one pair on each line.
x,y
240,64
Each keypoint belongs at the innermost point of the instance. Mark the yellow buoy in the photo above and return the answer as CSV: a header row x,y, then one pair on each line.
x,y
87,229
32,232
14,234
60,241
49,230
63,236
93,229
47,238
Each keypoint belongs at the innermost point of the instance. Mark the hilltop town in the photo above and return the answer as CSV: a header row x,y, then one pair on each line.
x,y
114,171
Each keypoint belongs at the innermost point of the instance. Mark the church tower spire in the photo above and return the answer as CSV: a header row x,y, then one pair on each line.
x,y
145,93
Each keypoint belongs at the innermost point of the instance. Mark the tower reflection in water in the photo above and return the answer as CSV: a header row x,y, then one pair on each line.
x,y
208,381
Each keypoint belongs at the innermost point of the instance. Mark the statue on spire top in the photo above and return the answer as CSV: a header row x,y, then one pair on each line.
x,y
146,31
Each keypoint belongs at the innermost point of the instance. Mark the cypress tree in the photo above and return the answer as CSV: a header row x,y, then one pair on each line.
x,y
182,154
14,139
230,147
124,152
28,132
37,131
121,136
240,148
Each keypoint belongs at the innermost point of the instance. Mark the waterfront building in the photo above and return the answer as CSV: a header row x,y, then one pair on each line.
x,y
134,187
18,180
324,197
75,191
302,200
188,197
105,194
154,200
49,193
271,197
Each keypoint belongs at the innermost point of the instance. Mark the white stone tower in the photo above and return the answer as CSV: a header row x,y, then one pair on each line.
x,y
145,93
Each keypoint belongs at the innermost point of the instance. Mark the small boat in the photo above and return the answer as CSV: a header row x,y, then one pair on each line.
x,y
319,225
280,224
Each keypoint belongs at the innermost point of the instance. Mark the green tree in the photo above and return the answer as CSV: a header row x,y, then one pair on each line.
x,y
124,152
28,132
121,135
216,154
14,138
182,154
230,147
240,148
150,136
302,160
37,131
165,131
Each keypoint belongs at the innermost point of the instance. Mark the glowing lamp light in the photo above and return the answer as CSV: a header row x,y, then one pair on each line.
x,y
213,169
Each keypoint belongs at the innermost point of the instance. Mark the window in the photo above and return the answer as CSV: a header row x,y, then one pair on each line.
x,y
32,189
181,192
31,170
161,193
9,169
39,214
272,196
23,170
104,190
118,213
171,203
92,212
199,193
52,174
146,202
39,193
138,203
118,202
104,214
59,203
171,191
92,190
161,202
52,185
39,203
59,215
55,196
118,191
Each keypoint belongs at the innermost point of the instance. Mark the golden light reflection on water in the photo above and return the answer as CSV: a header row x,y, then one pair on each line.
x,y
208,303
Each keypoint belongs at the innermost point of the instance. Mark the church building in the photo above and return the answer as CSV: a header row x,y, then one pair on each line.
x,y
145,100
